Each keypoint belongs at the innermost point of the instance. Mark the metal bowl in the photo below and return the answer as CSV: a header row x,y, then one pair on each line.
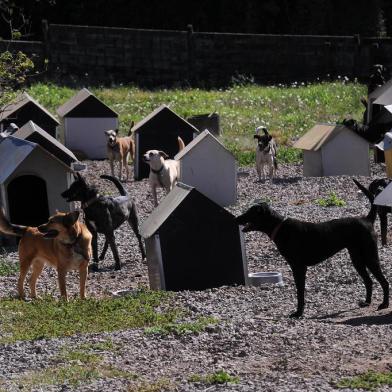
x,y
260,278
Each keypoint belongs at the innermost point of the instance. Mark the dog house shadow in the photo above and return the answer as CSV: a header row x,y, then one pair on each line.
x,y
31,180
23,109
193,243
381,319
159,131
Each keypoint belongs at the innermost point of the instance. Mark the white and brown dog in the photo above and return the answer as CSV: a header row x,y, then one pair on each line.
x,y
164,172
265,153
119,149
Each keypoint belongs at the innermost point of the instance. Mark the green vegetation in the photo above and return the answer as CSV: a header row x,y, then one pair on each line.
x,y
288,111
182,328
332,200
370,381
153,386
7,268
218,377
49,318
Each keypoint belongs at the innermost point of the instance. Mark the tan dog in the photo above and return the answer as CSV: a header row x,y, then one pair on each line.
x,y
119,149
164,172
63,242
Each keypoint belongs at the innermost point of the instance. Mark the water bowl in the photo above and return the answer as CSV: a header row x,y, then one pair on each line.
x,y
261,278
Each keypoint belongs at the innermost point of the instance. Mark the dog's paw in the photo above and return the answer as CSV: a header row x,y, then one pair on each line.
x,y
296,314
363,304
384,305
117,267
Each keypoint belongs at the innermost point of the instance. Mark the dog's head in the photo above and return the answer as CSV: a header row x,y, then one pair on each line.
x,y
77,191
351,124
255,218
155,157
61,226
263,140
111,135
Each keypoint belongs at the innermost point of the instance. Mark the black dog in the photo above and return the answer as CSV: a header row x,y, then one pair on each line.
x,y
374,188
105,214
304,244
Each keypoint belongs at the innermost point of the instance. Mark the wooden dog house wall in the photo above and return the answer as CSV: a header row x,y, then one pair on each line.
x,y
84,120
334,150
193,244
33,133
207,165
25,108
159,131
31,182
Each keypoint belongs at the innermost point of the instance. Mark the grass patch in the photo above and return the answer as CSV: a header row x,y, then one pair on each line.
x,y
192,327
288,111
369,381
49,318
7,268
218,377
332,200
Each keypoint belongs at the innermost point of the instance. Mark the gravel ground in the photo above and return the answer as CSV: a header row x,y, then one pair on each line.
x,y
253,339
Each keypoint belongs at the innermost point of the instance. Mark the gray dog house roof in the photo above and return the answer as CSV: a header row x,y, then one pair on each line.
x,y
194,242
319,135
85,104
33,133
14,151
382,95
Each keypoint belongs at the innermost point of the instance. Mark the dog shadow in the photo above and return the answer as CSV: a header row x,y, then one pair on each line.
x,y
286,180
356,321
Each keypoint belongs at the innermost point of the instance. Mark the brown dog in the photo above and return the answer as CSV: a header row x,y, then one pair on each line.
x,y
63,242
119,149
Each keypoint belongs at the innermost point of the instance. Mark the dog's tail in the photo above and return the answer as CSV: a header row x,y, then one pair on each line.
x,y
116,182
10,229
181,144
371,216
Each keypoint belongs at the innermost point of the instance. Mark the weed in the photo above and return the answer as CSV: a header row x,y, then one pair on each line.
x,y
370,381
49,318
7,268
332,200
218,377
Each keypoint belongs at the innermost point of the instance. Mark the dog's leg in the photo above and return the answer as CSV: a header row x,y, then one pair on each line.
x,y
375,269
83,269
37,269
384,226
24,269
94,244
113,247
134,223
126,166
258,171
271,172
61,275
154,195
112,166
120,163
104,250
359,261
299,278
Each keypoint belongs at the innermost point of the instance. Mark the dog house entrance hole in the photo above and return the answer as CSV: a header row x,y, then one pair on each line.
x,y
28,201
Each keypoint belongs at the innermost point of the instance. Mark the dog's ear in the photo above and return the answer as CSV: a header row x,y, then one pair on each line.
x,y
258,137
132,124
364,102
116,130
107,132
163,155
71,218
265,130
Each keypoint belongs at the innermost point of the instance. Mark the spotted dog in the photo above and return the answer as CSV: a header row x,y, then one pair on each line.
x,y
265,153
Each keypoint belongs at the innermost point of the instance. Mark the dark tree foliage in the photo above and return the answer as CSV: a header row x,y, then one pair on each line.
x,y
332,17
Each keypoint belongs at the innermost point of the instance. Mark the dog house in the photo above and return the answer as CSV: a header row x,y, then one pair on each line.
x,y
380,104
334,150
33,133
207,165
84,120
23,109
384,198
159,131
193,243
31,181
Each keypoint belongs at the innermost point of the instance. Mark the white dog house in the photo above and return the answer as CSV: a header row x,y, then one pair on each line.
x,y
334,150
207,165
84,120
380,104
31,182
33,133
384,198
24,108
